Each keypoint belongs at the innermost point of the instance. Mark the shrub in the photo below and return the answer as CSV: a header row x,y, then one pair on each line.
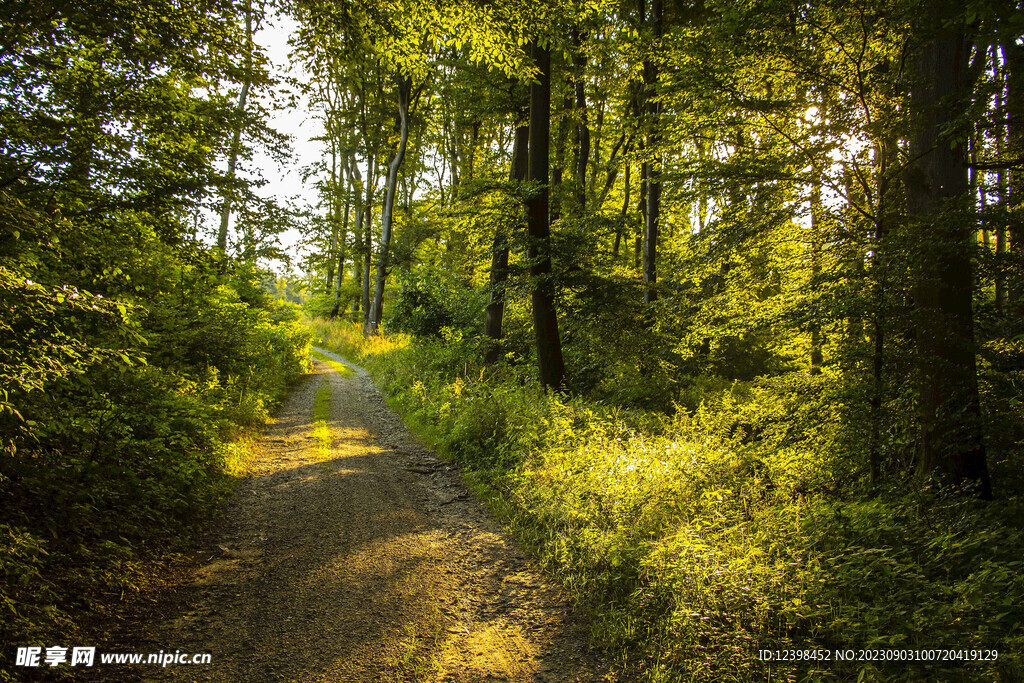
x,y
696,540
117,427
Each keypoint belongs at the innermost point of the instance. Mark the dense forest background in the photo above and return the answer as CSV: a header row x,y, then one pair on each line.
x,y
718,304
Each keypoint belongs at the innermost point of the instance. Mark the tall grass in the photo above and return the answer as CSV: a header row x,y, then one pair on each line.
x,y
693,545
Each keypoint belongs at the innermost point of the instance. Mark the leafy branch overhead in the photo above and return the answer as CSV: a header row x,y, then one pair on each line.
x,y
721,304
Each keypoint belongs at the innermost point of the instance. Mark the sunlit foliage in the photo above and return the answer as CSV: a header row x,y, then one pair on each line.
x,y
783,245
132,355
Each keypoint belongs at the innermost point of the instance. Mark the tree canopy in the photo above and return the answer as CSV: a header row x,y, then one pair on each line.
x,y
675,279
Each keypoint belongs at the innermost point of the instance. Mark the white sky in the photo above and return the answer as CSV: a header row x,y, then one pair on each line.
x,y
286,182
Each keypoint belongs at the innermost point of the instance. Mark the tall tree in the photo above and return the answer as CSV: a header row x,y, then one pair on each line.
x,y
236,133
346,192
1013,58
495,312
387,209
579,63
357,229
950,440
545,317
651,110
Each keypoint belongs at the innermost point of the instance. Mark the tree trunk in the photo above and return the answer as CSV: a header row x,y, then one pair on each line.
x,y
387,210
702,201
596,144
83,134
1001,185
816,358
624,215
638,246
371,180
886,151
495,312
236,135
332,216
613,170
555,202
579,59
1013,59
950,441
344,239
357,230
545,320
474,142
653,168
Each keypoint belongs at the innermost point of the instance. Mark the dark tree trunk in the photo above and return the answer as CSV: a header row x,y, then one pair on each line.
x,y
332,216
83,134
653,175
561,140
387,209
495,312
638,246
879,281
1001,191
1013,56
623,217
702,201
474,142
579,60
596,144
344,238
816,240
357,231
545,320
371,180
1001,188
950,441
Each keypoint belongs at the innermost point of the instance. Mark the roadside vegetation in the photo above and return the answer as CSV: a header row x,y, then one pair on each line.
x,y
697,538
718,304
118,449
136,359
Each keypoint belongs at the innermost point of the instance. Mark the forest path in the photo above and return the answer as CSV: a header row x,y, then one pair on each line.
x,y
357,555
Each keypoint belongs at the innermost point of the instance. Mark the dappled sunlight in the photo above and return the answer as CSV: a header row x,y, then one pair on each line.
x,y
496,648
343,552
711,314
684,525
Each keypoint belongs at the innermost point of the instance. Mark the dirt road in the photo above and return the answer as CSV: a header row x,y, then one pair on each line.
x,y
353,553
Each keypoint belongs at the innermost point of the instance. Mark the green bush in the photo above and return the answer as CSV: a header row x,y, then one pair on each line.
x,y
117,419
697,540
425,306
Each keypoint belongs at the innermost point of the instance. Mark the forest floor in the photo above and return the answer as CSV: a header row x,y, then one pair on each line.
x,y
356,554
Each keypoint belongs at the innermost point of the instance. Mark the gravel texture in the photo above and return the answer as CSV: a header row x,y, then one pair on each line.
x,y
374,563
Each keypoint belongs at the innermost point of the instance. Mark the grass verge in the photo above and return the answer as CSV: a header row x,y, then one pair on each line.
x,y
321,431
695,546
99,500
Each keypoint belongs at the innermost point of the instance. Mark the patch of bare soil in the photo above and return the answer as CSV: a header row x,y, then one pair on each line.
x,y
365,561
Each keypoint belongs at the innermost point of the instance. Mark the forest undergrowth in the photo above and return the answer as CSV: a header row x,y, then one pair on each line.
x,y
120,447
698,537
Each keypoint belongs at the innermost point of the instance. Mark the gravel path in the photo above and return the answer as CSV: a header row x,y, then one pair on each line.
x,y
365,561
